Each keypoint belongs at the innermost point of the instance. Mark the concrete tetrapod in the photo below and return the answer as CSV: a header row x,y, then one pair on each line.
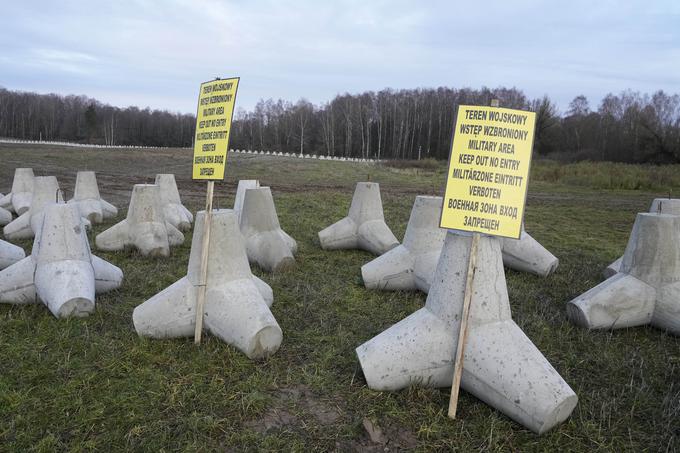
x,y
243,185
237,302
412,264
267,245
660,206
46,191
144,228
10,254
61,272
647,288
502,367
19,199
90,203
526,254
364,227
175,212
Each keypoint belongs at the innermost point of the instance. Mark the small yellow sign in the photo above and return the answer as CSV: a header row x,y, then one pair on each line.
x,y
488,173
213,125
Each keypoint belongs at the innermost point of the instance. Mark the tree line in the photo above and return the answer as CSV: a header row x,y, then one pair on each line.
x,y
389,124
80,119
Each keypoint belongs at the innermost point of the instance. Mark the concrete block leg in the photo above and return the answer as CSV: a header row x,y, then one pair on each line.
x,y
243,185
341,235
16,283
613,268
633,304
267,245
169,314
237,302
502,366
5,216
527,255
10,254
66,287
393,271
19,228
364,227
249,327
106,275
175,213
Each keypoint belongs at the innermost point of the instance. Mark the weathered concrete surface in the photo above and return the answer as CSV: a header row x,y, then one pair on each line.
x,y
502,367
412,264
364,228
175,212
660,206
5,216
60,272
10,254
144,228
527,255
267,245
19,199
647,288
237,303
243,185
88,200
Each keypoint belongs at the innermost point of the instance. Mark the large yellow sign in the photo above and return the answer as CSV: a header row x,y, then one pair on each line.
x,y
213,125
488,174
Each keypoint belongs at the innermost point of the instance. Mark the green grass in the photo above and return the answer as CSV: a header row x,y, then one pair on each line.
x,y
92,385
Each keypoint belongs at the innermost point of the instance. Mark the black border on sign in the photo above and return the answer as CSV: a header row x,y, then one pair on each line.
x,y
231,120
448,166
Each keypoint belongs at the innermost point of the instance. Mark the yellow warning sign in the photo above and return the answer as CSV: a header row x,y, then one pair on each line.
x,y
213,124
488,172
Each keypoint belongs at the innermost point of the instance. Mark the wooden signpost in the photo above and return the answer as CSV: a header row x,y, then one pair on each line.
x,y
213,126
485,192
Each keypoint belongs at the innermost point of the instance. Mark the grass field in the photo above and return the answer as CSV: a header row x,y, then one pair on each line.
x,y
92,385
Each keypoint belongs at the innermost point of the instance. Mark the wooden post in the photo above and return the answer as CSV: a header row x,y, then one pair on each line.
x,y
205,246
463,332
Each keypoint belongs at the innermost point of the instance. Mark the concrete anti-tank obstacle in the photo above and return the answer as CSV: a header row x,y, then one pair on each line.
x,y
88,200
144,228
26,226
526,254
243,185
267,245
364,227
10,254
660,206
412,264
19,199
237,302
647,288
502,367
175,212
61,272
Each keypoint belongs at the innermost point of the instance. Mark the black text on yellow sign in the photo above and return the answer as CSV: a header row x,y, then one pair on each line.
x,y
488,171
213,125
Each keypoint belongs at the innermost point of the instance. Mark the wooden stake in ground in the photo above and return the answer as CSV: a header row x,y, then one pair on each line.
x,y
462,333
205,246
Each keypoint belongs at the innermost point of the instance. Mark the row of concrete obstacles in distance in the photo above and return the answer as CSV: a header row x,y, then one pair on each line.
x,y
502,366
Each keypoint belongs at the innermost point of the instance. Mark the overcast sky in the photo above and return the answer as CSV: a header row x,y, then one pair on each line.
x,y
156,53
